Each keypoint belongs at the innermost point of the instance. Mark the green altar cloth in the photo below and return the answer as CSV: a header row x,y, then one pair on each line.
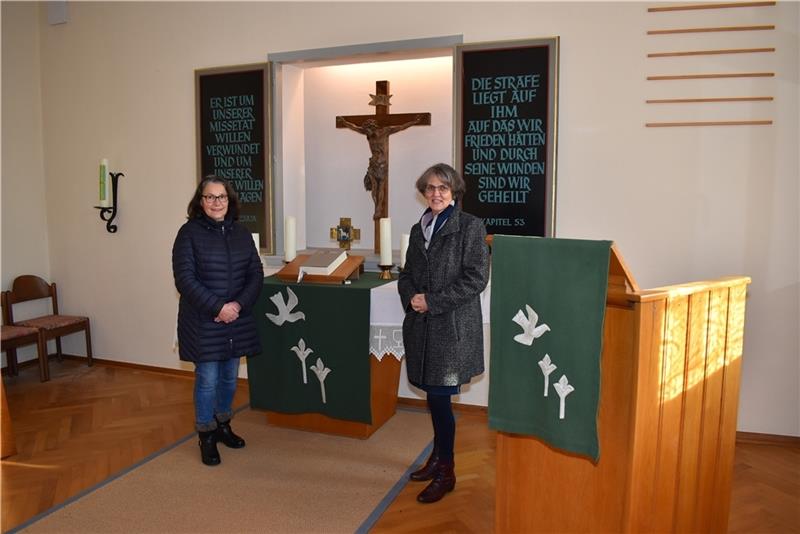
x,y
547,309
328,325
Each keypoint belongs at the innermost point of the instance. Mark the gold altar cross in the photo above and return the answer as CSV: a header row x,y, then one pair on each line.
x,y
377,128
345,234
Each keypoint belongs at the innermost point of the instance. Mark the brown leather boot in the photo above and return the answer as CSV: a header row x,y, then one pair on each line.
x,y
444,481
426,471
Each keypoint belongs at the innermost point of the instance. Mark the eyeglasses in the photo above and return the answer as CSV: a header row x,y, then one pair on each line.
x,y
211,198
431,189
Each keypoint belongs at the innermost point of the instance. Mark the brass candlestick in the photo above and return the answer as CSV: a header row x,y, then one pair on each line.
x,y
386,272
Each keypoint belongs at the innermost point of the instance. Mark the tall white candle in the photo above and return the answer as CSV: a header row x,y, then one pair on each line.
x,y
386,241
403,249
289,238
105,201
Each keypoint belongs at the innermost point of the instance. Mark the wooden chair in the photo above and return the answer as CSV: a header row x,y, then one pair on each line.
x,y
30,287
14,337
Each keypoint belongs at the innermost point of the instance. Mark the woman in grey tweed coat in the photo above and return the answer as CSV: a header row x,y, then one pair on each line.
x,y
446,269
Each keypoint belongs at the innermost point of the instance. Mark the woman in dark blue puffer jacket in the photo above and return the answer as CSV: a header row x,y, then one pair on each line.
x,y
219,276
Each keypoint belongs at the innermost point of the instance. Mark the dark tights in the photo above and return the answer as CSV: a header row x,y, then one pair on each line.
x,y
444,424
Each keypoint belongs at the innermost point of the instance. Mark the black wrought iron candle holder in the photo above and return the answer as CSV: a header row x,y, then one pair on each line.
x,y
108,213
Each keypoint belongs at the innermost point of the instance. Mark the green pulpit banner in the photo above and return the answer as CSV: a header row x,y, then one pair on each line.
x,y
316,349
547,309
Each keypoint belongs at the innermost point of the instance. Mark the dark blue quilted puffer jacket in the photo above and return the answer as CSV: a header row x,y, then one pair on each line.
x,y
214,263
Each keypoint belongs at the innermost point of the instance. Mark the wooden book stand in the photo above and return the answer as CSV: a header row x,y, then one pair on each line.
x,y
350,269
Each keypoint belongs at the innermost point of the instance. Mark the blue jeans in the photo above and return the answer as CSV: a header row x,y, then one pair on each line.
x,y
214,387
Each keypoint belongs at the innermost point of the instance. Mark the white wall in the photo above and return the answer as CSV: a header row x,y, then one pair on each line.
x,y
682,204
24,214
293,154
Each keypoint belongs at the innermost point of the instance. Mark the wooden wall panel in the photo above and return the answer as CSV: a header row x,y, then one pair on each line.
x,y
644,437
694,378
689,54
712,395
729,407
507,485
670,416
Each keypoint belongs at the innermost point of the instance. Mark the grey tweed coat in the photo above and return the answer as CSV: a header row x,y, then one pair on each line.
x,y
444,347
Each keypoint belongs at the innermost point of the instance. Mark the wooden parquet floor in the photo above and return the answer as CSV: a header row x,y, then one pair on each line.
x,y
84,425
470,507
87,424
766,489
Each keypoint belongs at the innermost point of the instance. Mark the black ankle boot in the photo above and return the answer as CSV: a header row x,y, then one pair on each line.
x,y
444,481
227,437
426,471
208,447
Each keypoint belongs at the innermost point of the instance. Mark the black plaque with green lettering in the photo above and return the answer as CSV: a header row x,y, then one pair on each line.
x,y
233,137
505,145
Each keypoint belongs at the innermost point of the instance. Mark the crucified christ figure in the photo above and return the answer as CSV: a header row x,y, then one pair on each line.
x,y
378,168
377,128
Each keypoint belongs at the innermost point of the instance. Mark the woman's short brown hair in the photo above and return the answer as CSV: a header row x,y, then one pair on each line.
x,y
195,209
446,174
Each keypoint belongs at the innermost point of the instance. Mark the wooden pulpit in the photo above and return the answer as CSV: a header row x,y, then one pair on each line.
x,y
670,373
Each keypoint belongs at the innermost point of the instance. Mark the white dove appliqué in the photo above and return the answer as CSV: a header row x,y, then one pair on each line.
x,y
529,329
285,312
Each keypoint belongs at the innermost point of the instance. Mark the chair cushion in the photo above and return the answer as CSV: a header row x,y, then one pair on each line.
x,y
14,332
51,322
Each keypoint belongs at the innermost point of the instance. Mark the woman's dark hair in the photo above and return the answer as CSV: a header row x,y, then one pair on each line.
x,y
195,209
446,174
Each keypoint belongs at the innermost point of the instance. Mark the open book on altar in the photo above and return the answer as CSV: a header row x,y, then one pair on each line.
x,y
322,266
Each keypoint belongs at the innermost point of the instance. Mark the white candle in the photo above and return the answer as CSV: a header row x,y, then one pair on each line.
x,y
105,201
289,244
386,241
403,249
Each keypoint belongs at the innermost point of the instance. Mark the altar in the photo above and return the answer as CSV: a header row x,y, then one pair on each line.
x,y
318,371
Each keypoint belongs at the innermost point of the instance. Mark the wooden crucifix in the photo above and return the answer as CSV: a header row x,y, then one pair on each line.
x,y
378,128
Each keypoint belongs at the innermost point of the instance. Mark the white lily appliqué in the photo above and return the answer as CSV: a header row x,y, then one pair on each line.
x,y
529,329
285,312
321,371
563,389
302,353
547,367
